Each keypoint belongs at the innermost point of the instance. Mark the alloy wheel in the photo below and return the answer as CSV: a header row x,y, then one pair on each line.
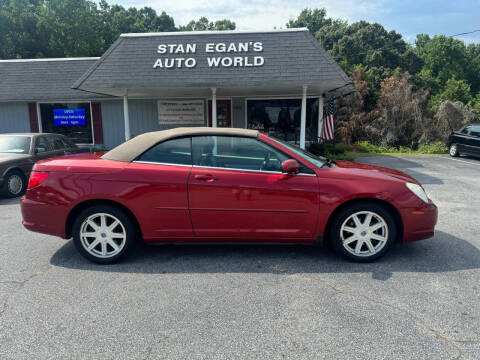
x,y
453,150
364,233
102,235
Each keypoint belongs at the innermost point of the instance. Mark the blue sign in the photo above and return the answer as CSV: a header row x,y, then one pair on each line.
x,y
69,117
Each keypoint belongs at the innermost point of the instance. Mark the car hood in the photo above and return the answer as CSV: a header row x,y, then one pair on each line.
x,y
366,170
9,157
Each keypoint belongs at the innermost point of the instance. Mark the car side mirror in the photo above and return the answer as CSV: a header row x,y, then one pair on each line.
x,y
290,166
39,149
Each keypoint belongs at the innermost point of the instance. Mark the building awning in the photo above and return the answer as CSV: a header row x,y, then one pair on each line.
x,y
236,63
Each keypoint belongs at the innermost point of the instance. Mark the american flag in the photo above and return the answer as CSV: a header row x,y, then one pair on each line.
x,y
328,128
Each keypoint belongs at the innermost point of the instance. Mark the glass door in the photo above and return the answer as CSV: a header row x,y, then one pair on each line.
x,y
224,113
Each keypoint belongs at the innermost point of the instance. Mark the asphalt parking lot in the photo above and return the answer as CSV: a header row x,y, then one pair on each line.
x,y
421,301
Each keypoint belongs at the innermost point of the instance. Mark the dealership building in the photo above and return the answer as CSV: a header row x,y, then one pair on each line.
x,y
276,81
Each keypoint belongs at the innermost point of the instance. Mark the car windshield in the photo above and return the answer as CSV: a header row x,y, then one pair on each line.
x,y
16,144
316,160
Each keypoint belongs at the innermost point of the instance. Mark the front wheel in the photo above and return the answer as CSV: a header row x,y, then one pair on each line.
x,y
363,232
454,150
103,234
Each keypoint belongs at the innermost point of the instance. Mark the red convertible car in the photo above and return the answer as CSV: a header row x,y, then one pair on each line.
x,y
201,185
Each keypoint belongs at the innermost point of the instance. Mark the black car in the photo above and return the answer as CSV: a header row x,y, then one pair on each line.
x,y
465,141
19,152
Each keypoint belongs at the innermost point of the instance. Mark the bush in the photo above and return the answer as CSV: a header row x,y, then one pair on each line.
x,y
433,148
319,148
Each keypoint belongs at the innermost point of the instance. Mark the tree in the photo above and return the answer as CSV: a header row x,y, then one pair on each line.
x,y
444,58
224,24
351,119
58,28
476,104
203,25
401,113
454,90
314,20
19,35
380,53
70,28
116,20
448,117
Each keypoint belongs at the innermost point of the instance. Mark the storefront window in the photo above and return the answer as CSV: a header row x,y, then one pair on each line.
x,y
281,118
70,119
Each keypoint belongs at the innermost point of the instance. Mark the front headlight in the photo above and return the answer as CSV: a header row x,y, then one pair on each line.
x,y
417,190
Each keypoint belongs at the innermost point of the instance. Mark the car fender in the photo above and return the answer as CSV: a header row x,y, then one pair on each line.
x,y
97,199
330,206
25,169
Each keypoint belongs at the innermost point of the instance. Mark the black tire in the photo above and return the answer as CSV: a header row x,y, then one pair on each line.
x,y
10,188
453,150
335,235
126,224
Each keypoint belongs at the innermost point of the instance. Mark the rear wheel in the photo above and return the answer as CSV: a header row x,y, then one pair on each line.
x,y
14,184
454,150
103,234
363,232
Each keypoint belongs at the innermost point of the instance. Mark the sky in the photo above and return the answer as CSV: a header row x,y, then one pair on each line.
x,y
408,17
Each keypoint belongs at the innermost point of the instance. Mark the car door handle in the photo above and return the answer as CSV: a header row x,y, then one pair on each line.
x,y
206,177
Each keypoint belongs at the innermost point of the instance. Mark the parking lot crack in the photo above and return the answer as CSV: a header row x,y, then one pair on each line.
x,y
416,318
20,285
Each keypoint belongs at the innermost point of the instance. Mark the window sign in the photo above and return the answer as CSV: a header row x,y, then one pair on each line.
x,y
181,112
73,120
69,117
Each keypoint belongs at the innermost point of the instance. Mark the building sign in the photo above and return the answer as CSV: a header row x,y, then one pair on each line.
x,y
181,112
181,56
69,117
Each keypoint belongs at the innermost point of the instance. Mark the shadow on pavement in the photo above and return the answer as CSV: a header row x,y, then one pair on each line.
x,y
443,253
469,157
402,164
9,201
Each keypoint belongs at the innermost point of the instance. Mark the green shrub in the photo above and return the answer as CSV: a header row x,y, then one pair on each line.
x,y
433,148
95,148
319,148
366,147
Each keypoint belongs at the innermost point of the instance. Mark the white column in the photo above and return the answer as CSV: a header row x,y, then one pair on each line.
x,y
214,107
126,117
303,118
320,117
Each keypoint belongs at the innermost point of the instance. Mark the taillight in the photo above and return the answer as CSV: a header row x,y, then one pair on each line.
x,y
36,178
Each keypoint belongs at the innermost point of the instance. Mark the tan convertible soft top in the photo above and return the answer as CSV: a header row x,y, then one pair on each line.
x,y
130,150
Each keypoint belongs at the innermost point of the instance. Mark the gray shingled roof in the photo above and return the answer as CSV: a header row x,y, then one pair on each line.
x,y
292,58
43,79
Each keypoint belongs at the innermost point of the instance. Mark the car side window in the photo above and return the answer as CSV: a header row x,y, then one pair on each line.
x,y
175,151
475,131
236,153
42,142
57,143
466,130
70,143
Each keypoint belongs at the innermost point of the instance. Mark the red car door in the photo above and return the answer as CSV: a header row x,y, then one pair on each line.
x,y
159,197
237,191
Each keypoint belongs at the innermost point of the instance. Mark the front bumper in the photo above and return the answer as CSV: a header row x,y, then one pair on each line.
x,y
419,223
